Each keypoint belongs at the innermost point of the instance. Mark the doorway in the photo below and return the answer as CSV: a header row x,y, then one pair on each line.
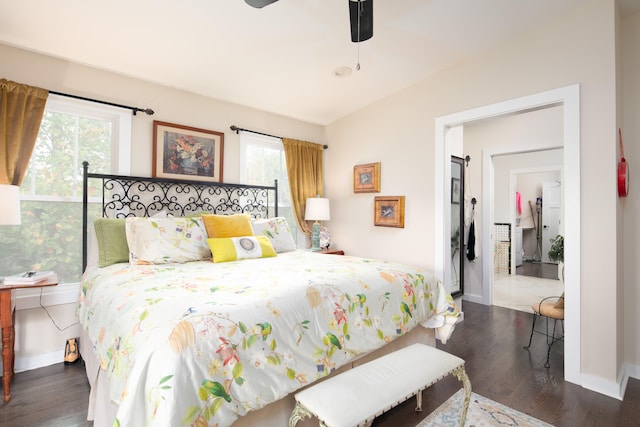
x,y
569,99
533,208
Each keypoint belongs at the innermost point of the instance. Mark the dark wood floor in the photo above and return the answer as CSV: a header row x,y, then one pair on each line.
x,y
490,340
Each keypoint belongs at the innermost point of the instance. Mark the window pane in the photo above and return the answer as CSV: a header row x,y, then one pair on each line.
x,y
50,236
264,162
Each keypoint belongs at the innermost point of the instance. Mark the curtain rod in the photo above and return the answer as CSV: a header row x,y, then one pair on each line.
x,y
147,111
236,129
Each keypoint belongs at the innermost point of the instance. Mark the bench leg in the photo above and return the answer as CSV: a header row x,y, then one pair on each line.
x,y
462,376
419,401
299,413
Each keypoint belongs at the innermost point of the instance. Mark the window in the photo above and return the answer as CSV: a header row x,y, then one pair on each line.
x,y
50,236
262,160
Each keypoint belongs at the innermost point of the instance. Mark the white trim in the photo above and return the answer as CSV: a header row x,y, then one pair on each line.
x,y
608,388
27,363
569,98
473,298
632,371
53,295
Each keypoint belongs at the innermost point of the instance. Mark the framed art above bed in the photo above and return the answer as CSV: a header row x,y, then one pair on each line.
x,y
184,152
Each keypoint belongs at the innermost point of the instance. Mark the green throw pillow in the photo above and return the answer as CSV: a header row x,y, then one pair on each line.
x,y
112,241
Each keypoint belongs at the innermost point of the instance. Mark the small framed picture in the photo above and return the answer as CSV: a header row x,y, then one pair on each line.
x,y
184,152
389,211
455,190
366,178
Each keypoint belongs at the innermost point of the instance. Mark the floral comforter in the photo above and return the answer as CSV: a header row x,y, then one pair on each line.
x,y
202,343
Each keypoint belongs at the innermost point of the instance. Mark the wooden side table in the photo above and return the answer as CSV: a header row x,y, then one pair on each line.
x,y
7,322
332,251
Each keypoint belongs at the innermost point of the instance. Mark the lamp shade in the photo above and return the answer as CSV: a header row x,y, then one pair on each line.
x,y
9,204
317,209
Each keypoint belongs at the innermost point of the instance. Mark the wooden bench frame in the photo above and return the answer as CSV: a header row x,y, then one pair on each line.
x,y
406,372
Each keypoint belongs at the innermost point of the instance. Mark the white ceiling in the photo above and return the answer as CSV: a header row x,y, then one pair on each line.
x,y
280,58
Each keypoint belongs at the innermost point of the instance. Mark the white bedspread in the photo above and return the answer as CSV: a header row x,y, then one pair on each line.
x,y
203,343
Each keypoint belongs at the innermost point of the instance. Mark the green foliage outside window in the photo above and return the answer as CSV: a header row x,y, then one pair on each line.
x,y
50,236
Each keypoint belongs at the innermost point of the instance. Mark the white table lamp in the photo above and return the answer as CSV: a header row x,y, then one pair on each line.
x,y
9,204
317,209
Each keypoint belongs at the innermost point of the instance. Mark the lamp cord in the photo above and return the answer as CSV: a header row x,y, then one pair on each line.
x,y
51,318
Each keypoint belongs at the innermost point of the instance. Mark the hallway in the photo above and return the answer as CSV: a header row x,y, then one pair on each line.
x,y
519,292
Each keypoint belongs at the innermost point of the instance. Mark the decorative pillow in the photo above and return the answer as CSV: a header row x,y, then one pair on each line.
x,y
277,230
227,225
112,241
237,248
165,240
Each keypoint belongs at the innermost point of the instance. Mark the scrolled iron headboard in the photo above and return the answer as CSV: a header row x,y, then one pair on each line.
x,y
123,196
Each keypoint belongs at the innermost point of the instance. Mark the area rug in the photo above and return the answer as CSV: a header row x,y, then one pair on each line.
x,y
482,412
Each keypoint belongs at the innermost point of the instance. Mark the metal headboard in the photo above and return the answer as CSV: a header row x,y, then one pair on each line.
x,y
124,196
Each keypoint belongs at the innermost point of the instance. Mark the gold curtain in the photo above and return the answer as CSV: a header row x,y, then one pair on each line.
x,y
21,110
304,168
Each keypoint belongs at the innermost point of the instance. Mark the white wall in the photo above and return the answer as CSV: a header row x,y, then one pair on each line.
x,y
399,131
631,204
38,342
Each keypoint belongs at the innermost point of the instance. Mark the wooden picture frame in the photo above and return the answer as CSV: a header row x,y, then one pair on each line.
x,y
389,211
366,178
185,152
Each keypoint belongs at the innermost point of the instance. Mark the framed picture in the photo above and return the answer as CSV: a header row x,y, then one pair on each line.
x,y
389,211
366,178
455,190
184,152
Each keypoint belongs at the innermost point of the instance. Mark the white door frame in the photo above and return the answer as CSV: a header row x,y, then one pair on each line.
x,y
569,98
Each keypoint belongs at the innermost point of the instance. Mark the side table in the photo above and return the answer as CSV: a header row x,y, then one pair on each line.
x,y
7,322
332,251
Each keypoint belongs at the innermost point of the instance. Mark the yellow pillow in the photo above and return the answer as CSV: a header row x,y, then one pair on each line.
x,y
236,248
228,225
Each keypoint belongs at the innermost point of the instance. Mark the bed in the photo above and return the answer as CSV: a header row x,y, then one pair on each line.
x,y
183,337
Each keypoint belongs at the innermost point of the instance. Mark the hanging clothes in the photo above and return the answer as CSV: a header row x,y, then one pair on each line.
x,y
471,238
471,241
518,203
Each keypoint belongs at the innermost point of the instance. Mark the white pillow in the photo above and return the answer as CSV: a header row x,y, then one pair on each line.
x,y
166,240
277,230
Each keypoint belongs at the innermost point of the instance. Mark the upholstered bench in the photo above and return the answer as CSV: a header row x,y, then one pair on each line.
x,y
357,396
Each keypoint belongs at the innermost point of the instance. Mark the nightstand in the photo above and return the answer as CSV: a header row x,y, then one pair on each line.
x,y
332,251
7,322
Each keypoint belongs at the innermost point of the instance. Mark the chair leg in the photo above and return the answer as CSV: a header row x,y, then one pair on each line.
x,y
551,341
533,325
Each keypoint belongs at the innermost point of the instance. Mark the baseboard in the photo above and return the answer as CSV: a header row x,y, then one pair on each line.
x,y
608,388
632,371
473,298
22,364
629,371
52,295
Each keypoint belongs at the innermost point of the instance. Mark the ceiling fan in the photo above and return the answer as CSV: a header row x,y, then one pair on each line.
x,y
360,17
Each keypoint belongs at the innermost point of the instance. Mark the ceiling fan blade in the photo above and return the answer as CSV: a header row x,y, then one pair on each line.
x,y
362,9
259,4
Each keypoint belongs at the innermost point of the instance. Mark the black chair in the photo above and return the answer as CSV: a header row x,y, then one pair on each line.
x,y
552,309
